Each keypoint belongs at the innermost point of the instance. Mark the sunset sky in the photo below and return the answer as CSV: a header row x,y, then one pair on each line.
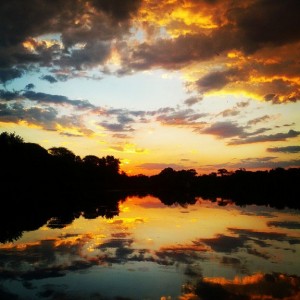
x,y
202,84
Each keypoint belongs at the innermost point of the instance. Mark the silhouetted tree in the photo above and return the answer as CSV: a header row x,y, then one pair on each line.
x,y
62,153
10,139
223,172
112,164
92,160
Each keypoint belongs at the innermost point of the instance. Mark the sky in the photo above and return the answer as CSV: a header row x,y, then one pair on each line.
x,y
191,84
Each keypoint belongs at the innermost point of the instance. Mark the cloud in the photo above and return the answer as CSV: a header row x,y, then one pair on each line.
x,y
120,120
56,99
231,112
259,120
258,236
171,53
258,27
29,86
242,104
217,80
46,117
43,98
116,127
224,129
87,30
185,117
265,138
8,74
287,149
121,136
224,243
285,224
241,45
232,39
92,54
247,287
118,10
193,100
49,78
8,96
259,163
15,113
240,136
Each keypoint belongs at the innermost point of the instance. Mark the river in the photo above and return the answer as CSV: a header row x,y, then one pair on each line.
x,y
148,250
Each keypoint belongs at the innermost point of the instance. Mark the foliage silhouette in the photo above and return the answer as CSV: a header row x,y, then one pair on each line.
x,y
56,186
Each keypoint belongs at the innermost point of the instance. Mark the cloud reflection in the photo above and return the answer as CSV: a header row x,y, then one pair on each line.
x,y
256,286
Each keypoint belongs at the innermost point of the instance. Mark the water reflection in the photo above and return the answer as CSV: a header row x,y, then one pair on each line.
x,y
139,248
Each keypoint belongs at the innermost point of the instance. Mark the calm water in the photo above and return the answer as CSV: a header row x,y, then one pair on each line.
x,y
153,251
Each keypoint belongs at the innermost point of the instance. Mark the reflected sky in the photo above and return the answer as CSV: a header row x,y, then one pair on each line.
x,y
153,251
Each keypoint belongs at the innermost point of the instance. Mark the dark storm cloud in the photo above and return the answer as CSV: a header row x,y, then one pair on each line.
x,y
287,149
172,54
49,78
8,96
87,31
250,27
258,23
93,53
93,24
119,10
8,74
20,19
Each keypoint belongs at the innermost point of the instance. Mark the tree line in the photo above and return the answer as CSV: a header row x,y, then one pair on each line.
x,y
54,186
28,170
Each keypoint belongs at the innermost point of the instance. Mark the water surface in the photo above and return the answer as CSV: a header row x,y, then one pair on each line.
x,y
207,250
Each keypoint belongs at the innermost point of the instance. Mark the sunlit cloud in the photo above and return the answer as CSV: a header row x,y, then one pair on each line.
x,y
217,48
